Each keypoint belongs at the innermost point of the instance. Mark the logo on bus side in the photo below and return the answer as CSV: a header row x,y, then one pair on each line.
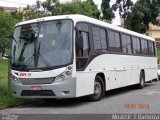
x,y
25,74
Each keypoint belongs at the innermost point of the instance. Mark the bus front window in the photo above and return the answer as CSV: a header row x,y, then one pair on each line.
x,y
42,45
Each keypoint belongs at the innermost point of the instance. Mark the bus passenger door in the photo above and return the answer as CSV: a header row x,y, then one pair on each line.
x,y
82,45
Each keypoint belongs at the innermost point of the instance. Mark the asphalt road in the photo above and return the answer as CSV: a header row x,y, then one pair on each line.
x,y
123,100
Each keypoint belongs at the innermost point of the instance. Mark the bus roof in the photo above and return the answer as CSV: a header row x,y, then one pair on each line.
x,y
81,18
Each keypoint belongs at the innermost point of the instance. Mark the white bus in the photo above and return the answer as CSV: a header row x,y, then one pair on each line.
x,y
71,56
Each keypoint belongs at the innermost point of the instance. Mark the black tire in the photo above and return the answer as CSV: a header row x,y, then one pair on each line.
x,y
150,81
99,90
141,81
158,78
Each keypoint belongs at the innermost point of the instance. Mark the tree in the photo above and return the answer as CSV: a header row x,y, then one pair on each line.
x,y
54,7
107,11
124,7
7,23
87,8
51,7
35,11
142,13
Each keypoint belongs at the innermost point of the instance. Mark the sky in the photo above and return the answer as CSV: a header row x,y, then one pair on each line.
x,y
23,3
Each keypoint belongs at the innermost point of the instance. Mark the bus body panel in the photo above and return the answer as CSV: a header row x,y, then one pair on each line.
x,y
123,70
40,74
85,83
58,88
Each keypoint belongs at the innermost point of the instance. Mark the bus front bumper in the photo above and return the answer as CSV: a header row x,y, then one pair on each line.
x,y
63,89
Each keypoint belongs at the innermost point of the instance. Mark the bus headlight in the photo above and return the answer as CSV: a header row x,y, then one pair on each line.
x,y
15,79
64,76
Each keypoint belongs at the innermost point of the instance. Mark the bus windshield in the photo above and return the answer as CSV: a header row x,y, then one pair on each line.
x,y
42,45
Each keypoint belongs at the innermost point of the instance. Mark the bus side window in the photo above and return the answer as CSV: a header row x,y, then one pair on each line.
x,y
99,38
126,44
114,41
144,47
136,45
151,48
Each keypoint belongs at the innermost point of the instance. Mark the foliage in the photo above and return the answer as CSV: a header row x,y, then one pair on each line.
x,y
124,7
6,98
54,7
107,11
87,8
4,73
6,26
7,23
142,13
34,11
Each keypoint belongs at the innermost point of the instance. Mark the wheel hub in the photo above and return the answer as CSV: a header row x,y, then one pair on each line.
x,y
97,90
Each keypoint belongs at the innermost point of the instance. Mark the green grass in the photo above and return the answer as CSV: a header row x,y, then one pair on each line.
x,y
4,73
6,98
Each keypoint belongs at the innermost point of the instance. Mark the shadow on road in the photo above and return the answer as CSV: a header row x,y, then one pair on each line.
x,y
124,90
61,102
74,102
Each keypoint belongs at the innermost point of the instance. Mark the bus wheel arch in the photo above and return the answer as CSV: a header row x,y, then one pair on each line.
x,y
99,85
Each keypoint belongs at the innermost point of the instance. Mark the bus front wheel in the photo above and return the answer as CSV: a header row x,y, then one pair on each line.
x,y
98,90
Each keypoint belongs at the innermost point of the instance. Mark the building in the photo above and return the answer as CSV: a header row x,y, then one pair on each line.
x,y
154,31
8,9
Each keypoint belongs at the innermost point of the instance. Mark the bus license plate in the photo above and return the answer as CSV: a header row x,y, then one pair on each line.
x,y
36,88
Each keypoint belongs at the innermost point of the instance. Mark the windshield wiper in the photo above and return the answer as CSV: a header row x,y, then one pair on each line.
x,y
14,39
38,54
28,61
36,57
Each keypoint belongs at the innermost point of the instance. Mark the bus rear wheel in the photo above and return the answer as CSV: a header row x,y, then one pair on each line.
x,y
98,90
141,81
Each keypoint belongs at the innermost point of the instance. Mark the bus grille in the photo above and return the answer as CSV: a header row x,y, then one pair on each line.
x,y
34,81
37,93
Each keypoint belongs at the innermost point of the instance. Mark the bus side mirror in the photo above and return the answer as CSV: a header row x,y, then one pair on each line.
x,y
79,39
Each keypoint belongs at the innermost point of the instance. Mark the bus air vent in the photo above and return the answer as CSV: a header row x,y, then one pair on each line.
x,y
34,81
37,93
